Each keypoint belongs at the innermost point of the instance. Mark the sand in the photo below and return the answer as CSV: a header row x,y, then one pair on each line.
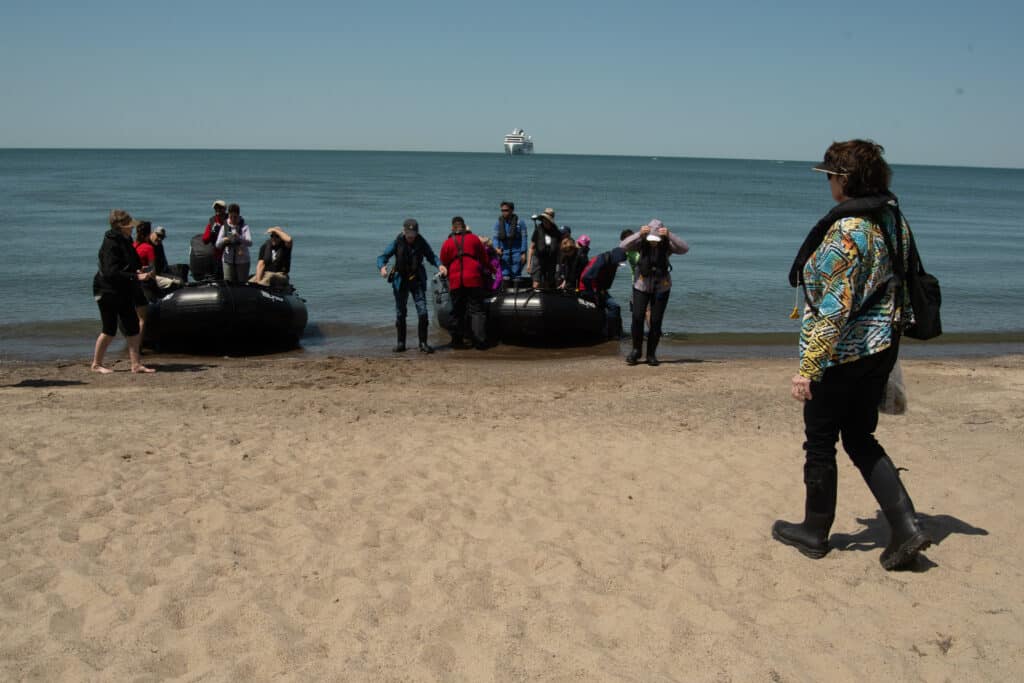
x,y
466,517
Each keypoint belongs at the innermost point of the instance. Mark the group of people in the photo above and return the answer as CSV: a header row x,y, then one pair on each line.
x,y
231,238
133,272
553,259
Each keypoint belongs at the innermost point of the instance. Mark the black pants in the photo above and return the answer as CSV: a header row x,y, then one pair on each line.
x,y
118,307
844,404
658,302
467,313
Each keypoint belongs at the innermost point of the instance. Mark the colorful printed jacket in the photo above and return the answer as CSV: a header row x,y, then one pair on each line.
x,y
851,263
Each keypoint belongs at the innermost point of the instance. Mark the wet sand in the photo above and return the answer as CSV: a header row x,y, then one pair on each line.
x,y
471,517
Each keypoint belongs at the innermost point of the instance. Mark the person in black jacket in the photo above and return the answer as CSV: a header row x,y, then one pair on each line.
x,y
116,288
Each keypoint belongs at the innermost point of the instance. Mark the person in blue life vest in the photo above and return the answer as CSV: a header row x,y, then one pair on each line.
x,y
595,283
510,241
408,276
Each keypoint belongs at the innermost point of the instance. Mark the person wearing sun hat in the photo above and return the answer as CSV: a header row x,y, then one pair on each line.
x,y
542,256
654,242
116,290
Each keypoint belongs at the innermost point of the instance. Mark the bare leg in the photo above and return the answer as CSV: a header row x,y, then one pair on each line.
x,y
133,353
141,312
102,343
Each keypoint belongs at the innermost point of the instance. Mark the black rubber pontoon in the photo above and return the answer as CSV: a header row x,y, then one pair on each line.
x,y
211,316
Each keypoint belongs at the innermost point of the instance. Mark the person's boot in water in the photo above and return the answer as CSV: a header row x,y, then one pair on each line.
x,y
424,326
400,329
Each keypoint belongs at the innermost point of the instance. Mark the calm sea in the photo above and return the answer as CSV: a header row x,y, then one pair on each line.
x,y
742,219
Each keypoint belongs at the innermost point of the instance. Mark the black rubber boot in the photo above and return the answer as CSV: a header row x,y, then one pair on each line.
x,y
907,539
400,329
633,358
811,536
424,325
652,346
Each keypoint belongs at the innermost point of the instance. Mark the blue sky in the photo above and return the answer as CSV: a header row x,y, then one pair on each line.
x,y
934,83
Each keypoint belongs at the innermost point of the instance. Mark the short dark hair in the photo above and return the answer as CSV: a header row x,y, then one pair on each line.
x,y
458,219
235,209
510,205
867,173
624,234
142,231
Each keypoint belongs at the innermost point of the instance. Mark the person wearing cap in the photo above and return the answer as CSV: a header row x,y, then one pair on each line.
x,y
463,261
212,231
849,343
542,256
654,242
409,276
510,241
275,260
116,290
596,283
160,265
235,238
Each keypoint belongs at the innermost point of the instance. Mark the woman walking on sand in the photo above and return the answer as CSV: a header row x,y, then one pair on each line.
x,y
849,341
116,289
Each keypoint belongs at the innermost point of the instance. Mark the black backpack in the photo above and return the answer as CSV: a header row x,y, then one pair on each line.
x,y
925,294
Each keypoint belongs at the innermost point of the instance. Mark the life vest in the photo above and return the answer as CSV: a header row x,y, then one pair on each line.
x,y
408,257
541,246
503,234
653,259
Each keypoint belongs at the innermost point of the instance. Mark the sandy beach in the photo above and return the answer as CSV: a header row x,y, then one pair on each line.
x,y
467,517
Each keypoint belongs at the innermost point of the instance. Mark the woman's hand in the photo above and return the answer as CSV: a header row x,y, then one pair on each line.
x,y
801,389
645,230
383,271
443,271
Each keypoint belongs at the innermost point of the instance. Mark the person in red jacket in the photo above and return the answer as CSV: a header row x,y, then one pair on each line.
x,y
463,260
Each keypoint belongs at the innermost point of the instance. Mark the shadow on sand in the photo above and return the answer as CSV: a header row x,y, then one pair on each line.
x,y
875,535
44,383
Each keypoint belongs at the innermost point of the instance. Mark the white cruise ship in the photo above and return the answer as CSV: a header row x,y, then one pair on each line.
x,y
518,142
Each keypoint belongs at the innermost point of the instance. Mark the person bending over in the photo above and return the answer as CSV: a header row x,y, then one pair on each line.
x,y
409,250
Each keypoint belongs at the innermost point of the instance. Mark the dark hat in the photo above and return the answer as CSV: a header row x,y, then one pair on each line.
x,y
410,224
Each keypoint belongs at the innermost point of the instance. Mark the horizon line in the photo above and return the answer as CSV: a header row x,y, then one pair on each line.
x,y
429,151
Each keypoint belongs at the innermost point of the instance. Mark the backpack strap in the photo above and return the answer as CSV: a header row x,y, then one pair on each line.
x,y
898,273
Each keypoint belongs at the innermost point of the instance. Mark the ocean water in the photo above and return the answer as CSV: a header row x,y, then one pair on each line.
x,y
743,220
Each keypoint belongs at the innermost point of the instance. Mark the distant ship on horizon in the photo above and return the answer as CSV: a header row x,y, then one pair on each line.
x,y
518,142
